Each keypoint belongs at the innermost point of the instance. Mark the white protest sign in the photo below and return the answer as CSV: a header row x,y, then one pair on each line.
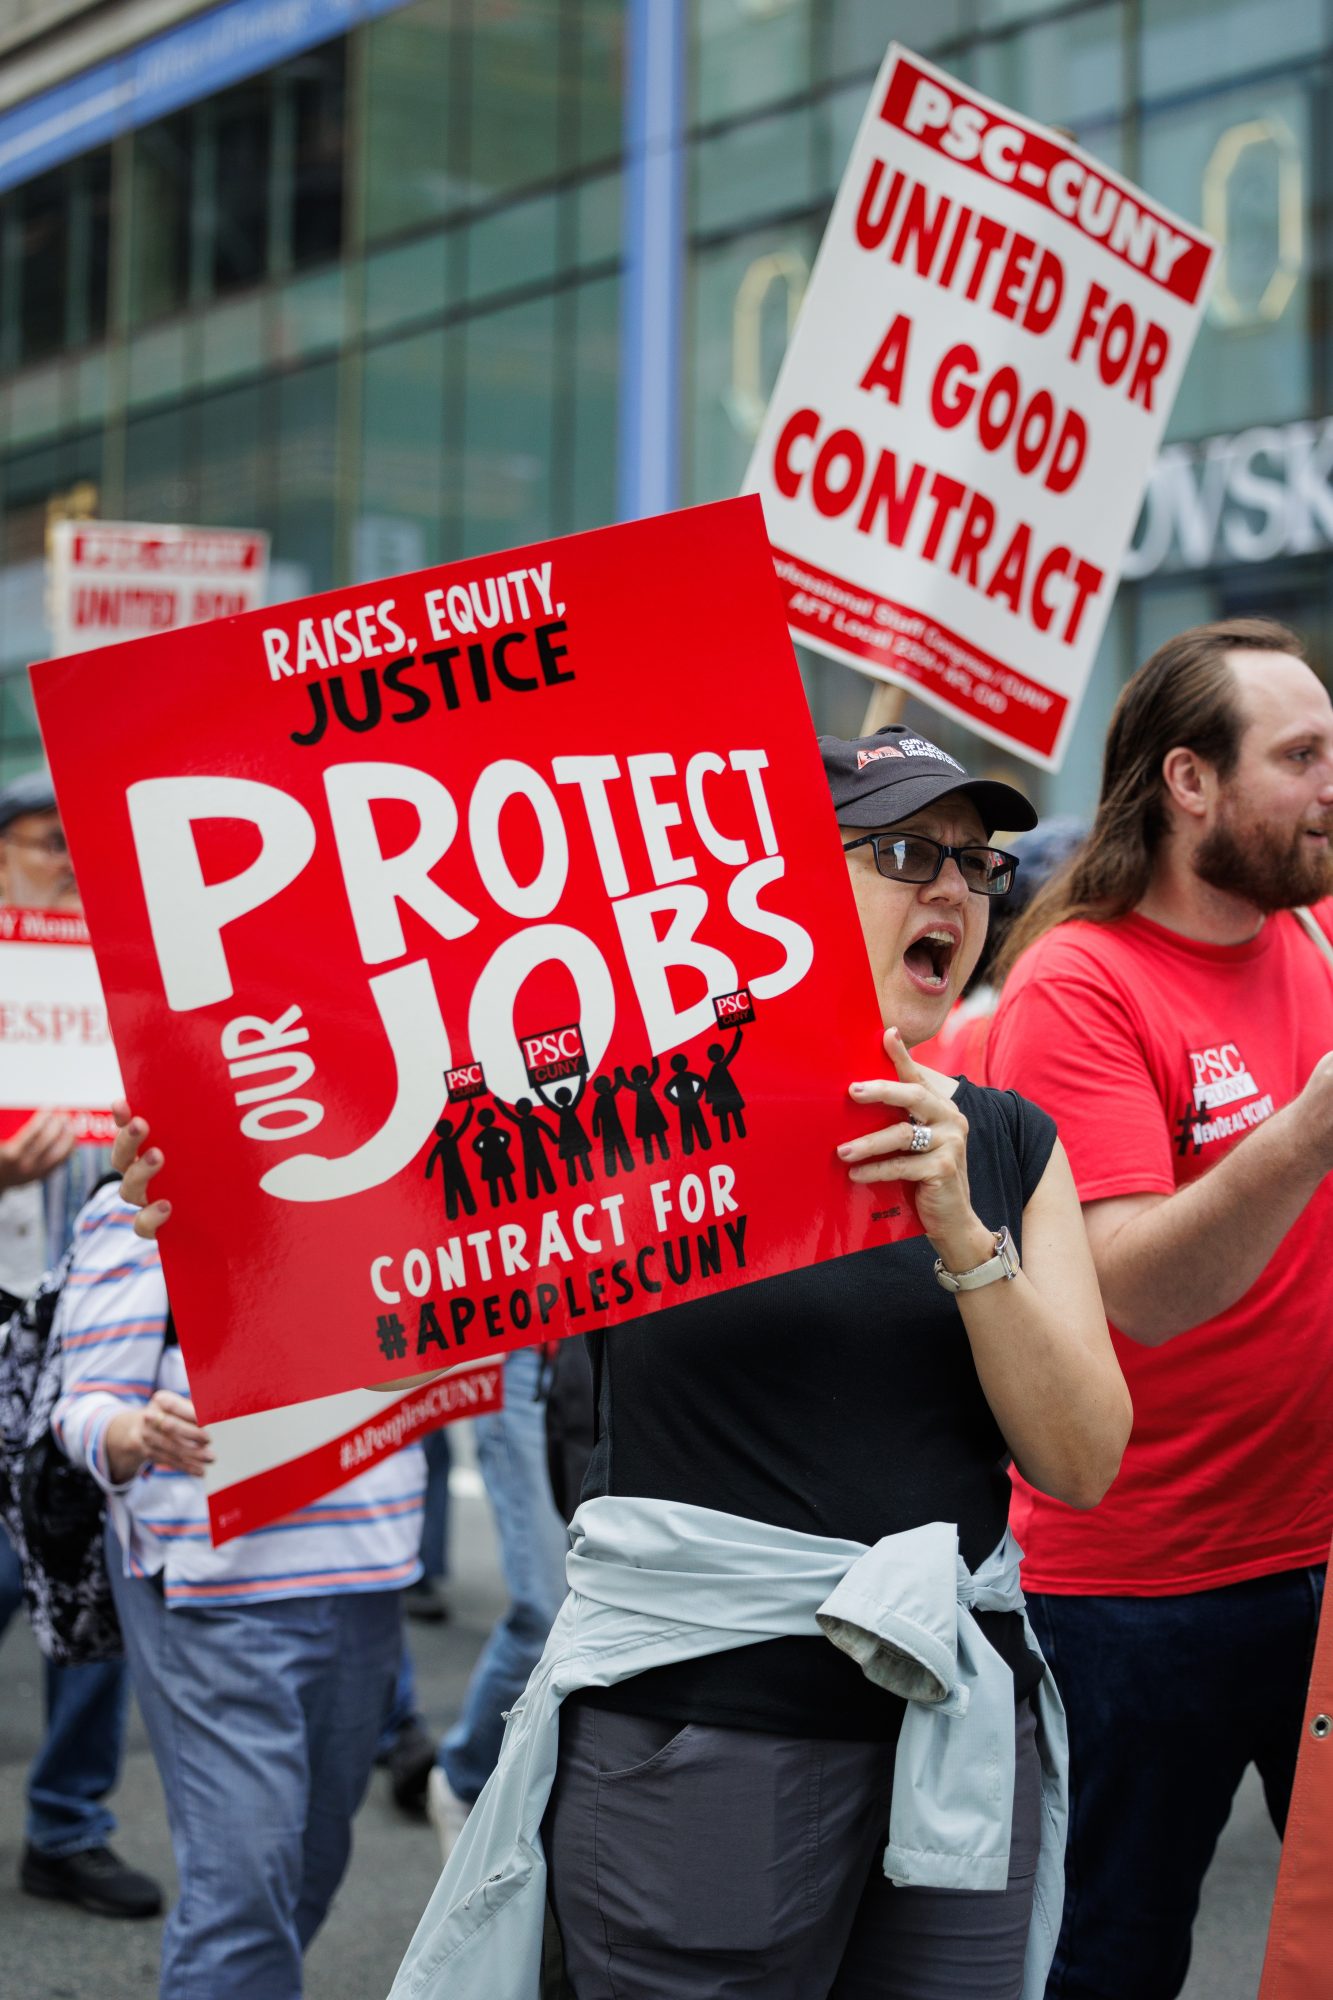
x,y
115,580
55,1041
953,458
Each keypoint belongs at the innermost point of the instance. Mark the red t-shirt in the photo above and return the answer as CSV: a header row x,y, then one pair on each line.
x,y
1155,1055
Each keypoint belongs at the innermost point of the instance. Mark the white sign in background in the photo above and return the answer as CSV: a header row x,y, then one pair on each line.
x,y
114,580
55,1041
952,460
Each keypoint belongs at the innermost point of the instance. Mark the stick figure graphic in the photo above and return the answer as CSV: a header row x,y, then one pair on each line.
x,y
534,1133
606,1124
453,1174
720,1089
575,1147
649,1118
492,1147
684,1087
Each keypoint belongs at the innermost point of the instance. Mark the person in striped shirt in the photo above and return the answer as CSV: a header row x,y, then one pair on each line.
x,y
263,1668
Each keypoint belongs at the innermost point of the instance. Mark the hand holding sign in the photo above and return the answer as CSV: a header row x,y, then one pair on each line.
x,y
938,1173
137,1167
41,1144
165,1433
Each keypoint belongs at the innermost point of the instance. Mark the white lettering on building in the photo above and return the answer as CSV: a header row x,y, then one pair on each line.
x,y
1249,498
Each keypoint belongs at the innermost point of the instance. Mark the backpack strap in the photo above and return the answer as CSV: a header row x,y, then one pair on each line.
x,y
1315,931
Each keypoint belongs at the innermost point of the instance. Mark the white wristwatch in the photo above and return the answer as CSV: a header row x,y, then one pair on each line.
x,y
1004,1264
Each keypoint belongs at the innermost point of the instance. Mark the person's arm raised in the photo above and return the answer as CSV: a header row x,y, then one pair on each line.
x,y
1169,1262
1040,1342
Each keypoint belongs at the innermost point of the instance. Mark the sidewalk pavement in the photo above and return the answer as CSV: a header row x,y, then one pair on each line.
x,y
53,1952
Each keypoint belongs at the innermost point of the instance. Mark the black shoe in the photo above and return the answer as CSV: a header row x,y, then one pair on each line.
x,y
94,1878
422,1600
410,1763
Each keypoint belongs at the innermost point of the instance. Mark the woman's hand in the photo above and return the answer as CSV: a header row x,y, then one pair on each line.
x,y
165,1432
939,1174
137,1169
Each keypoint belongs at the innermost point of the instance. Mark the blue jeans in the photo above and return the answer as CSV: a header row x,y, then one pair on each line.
x,y
1169,1700
511,1450
402,1710
79,1759
263,1719
435,1506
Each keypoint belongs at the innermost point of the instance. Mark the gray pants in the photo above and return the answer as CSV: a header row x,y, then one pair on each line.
x,y
704,1864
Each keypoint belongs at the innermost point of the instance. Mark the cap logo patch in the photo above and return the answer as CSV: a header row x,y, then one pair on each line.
x,y
864,757
917,746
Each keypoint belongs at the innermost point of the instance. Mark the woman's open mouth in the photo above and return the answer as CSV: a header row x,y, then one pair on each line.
x,y
929,958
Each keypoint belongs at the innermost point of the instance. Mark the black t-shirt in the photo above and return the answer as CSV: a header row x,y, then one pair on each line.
x,y
841,1400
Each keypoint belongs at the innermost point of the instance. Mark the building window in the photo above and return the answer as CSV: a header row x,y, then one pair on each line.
x,y
90,264
55,236
1247,157
236,139
245,186
402,455
411,177
163,182
41,221
505,475
315,87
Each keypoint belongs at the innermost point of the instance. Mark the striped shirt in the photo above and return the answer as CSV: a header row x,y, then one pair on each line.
x,y
112,1316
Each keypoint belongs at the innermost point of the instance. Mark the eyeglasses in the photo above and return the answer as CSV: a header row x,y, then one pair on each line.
x,y
912,857
52,844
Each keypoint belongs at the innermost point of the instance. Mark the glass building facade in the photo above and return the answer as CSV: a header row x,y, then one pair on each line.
x,y
375,297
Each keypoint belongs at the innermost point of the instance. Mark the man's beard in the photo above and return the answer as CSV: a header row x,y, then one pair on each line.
x,y
1269,869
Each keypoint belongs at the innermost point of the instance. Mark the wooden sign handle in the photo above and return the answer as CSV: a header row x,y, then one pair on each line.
x,y
886,705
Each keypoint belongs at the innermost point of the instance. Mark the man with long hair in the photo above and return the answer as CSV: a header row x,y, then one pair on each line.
x,y
1170,1003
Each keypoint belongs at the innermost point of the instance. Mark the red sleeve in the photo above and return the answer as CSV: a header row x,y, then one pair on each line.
x,y
1064,1037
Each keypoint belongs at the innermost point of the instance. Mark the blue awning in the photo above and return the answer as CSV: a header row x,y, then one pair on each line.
x,y
177,67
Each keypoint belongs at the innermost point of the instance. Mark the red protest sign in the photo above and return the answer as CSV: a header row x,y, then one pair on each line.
x,y
1300,1931
272,1464
954,455
531,799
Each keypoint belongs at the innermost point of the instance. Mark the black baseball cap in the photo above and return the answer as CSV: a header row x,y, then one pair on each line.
x,y
32,793
878,779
